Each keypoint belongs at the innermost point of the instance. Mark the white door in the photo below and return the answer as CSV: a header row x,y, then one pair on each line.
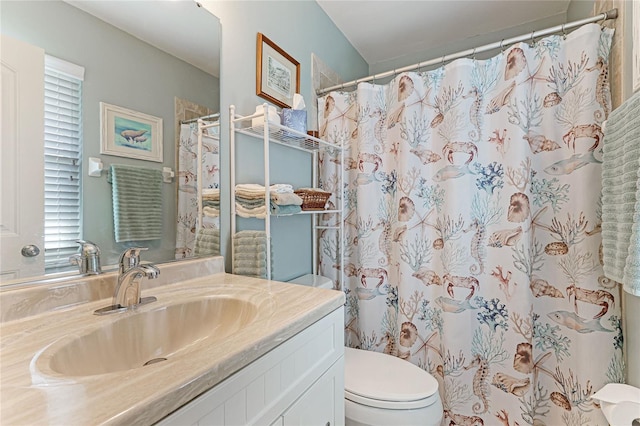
x,y
22,160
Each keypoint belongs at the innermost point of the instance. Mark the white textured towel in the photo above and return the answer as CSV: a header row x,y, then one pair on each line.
x,y
259,212
621,196
211,211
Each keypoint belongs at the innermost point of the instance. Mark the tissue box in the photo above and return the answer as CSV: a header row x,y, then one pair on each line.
x,y
295,119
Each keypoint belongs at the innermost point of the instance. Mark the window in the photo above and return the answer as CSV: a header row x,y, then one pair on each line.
x,y
62,166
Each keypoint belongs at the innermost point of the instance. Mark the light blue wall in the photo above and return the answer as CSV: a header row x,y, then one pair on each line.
x,y
299,28
120,70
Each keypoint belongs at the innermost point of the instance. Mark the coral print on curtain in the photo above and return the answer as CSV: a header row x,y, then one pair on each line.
x,y
473,229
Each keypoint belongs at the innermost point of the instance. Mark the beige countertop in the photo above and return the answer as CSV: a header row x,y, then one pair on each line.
x,y
32,393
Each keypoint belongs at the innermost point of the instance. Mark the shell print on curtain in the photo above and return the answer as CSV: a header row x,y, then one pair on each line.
x,y
472,229
187,184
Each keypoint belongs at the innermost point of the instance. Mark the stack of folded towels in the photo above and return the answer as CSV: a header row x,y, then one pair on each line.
x,y
207,242
250,254
250,200
211,202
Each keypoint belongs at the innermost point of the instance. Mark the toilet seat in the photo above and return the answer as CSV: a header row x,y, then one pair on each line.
x,y
384,381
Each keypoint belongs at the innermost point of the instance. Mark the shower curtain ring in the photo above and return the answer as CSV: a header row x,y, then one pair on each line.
x,y
473,54
564,34
502,46
443,56
533,40
606,16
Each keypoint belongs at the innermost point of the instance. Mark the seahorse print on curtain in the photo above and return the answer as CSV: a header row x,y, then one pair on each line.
x,y
472,229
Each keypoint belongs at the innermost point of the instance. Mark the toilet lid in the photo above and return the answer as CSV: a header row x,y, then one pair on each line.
x,y
381,379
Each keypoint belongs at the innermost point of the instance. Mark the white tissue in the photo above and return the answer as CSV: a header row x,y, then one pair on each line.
x,y
298,101
620,403
272,115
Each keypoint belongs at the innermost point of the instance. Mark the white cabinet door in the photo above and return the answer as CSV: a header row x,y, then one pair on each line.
x,y
323,403
22,159
302,378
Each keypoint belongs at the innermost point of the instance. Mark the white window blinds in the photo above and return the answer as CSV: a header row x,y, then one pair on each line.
x,y
62,167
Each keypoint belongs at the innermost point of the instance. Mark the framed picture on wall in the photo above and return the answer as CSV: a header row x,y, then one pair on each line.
x,y
277,73
131,134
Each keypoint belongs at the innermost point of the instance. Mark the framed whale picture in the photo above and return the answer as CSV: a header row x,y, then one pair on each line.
x,y
131,134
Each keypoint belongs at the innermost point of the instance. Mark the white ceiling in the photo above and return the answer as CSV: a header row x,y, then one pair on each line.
x,y
380,30
178,27
386,29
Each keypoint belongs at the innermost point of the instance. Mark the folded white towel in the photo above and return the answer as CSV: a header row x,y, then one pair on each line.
x,y
210,191
258,212
211,211
249,196
286,199
250,187
281,188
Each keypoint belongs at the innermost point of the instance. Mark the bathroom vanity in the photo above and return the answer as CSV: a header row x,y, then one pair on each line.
x,y
214,348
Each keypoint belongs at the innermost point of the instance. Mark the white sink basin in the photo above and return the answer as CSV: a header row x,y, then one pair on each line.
x,y
138,339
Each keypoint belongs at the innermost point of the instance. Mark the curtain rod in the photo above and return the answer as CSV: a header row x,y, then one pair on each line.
x,y
193,120
611,14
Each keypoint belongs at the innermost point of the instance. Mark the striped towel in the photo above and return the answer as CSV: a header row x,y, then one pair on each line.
x,y
249,249
137,203
621,196
208,242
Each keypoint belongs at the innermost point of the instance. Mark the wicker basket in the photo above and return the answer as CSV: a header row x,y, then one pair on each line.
x,y
313,199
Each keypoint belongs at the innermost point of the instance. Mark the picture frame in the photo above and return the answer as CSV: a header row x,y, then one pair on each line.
x,y
128,133
277,73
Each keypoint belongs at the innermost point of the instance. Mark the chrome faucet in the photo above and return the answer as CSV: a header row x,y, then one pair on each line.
x,y
130,275
88,261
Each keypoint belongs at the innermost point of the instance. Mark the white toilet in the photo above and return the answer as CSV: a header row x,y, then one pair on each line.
x,y
384,390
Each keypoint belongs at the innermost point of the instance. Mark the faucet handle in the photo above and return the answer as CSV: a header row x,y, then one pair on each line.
x,y
88,260
131,257
88,248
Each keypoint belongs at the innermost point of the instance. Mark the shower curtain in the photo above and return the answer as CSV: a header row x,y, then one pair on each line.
x,y
472,229
187,184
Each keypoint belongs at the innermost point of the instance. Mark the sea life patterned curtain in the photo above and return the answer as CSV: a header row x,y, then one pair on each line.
x,y
187,183
473,245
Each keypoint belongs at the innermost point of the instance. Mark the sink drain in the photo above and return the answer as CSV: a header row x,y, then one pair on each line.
x,y
154,361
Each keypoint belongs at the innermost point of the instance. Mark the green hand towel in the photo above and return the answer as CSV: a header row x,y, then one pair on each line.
x,y
137,203
207,242
621,196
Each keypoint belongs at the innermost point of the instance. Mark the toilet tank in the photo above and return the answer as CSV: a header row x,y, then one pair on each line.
x,y
312,280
